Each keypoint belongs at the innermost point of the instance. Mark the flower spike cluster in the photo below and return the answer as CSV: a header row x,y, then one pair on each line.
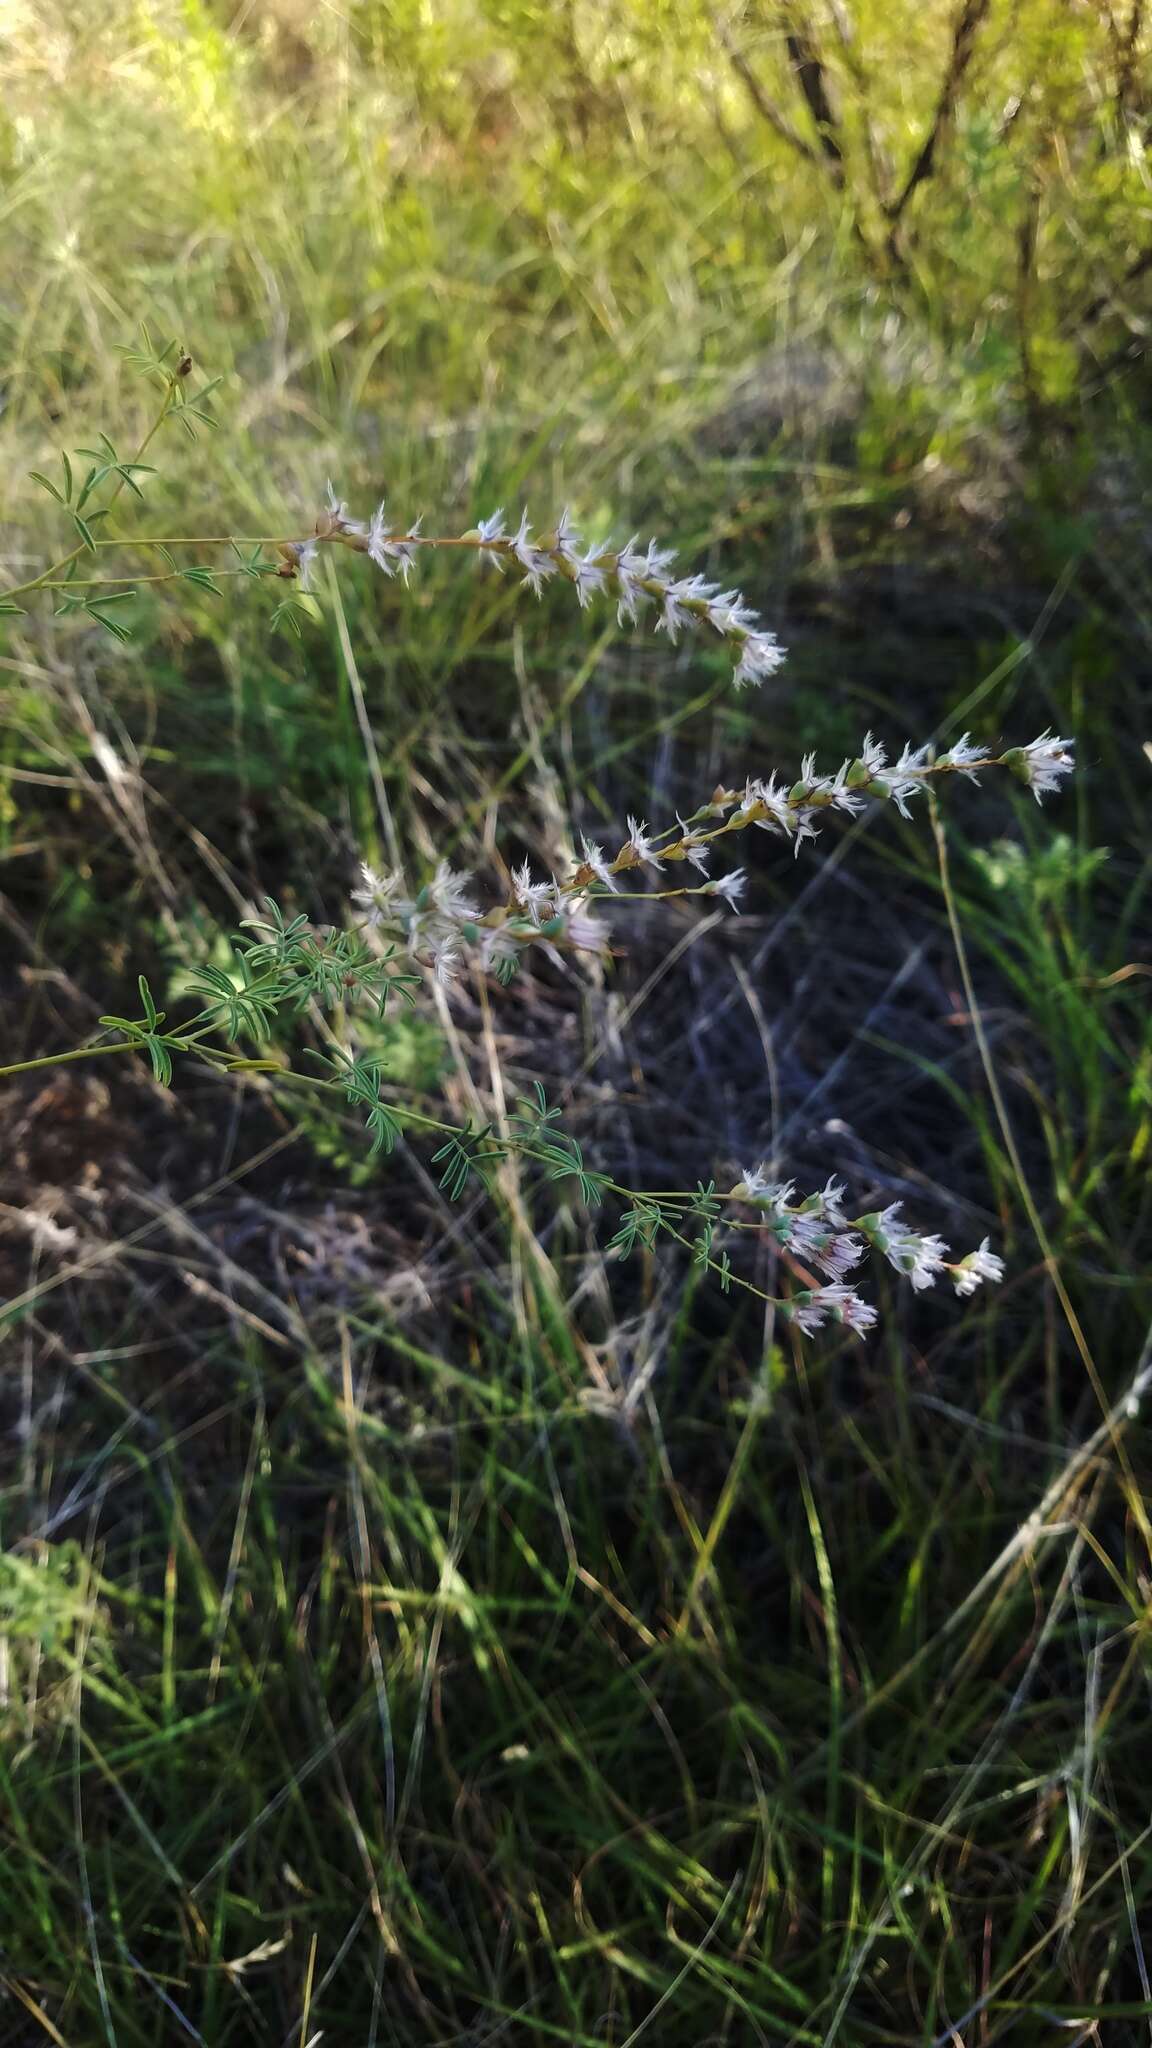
x,y
816,1236
633,576
441,922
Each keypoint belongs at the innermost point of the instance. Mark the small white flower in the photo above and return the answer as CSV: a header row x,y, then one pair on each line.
x,y
906,779
306,552
640,843
872,755
728,613
536,563
537,898
771,798
446,959
979,1265
593,857
586,933
448,891
803,1235
567,541
920,1258
590,573
488,530
831,1200
378,533
377,893
802,826
839,1254
807,1311
965,758
630,570
754,1185
1044,761
731,887
497,945
694,846
677,597
811,1310
843,798
657,561
338,519
760,656
389,551
845,1306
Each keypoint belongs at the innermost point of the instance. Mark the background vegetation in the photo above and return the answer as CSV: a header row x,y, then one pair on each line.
x,y
416,1626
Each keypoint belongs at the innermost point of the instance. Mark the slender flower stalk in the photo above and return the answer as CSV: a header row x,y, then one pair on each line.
x,y
633,577
441,922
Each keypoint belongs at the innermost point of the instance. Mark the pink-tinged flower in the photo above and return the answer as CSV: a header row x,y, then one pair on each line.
x,y
845,1306
978,1266
813,1307
798,1233
838,1254
807,1310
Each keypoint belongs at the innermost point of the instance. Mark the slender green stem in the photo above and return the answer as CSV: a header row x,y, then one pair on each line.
x,y
758,1409
1010,1146
110,582
61,1059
